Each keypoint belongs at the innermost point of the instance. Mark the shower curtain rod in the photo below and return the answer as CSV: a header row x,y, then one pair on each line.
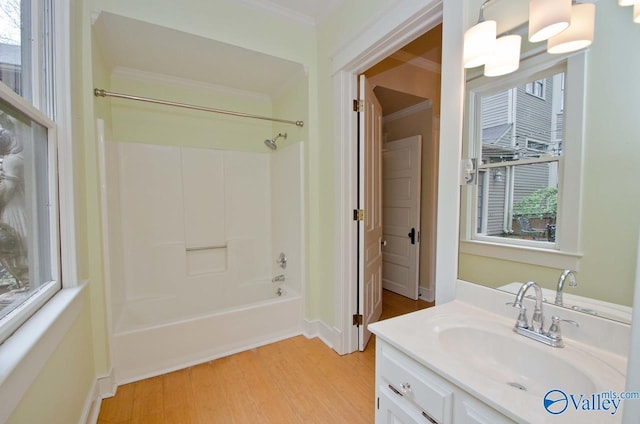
x,y
103,93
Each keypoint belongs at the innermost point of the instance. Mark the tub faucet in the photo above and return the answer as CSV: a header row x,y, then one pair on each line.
x,y
278,278
572,283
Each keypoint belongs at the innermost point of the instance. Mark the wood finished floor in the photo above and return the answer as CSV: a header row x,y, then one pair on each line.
x,y
292,381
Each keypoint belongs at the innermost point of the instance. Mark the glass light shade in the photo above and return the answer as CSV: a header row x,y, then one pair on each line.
x,y
628,2
636,13
579,34
548,18
479,43
506,58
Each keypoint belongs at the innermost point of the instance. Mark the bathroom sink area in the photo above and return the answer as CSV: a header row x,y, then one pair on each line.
x,y
508,361
478,351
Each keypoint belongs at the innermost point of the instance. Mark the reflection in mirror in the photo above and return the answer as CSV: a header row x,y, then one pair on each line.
x,y
509,229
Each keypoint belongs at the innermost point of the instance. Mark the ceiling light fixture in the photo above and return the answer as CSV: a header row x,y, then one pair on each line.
x,y
579,34
506,58
479,41
548,18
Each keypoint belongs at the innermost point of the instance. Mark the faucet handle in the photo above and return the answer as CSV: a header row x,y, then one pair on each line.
x,y
522,321
556,319
554,328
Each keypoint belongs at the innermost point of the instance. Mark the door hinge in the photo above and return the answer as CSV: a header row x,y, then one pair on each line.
x,y
358,105
357,319
358,214
378,402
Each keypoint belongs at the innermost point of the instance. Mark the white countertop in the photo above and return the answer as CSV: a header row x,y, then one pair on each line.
x,y
418,335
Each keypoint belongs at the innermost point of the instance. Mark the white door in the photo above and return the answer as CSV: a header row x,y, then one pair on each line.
x,y
402,164
370,199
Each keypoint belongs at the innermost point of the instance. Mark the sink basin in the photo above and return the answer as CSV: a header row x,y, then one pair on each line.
x,y
514,362
479,352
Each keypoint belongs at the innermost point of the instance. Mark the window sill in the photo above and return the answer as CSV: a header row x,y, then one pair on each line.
x,y
25,352
523,254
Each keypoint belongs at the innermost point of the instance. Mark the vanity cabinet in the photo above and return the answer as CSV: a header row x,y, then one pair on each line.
x,y
407,392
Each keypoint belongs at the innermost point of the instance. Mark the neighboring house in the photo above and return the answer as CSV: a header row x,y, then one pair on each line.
x,y
521,123
10,66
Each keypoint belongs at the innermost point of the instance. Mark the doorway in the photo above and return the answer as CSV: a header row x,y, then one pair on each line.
x,y
377,41
406,86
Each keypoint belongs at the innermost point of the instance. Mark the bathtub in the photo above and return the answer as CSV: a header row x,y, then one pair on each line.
x,y
155,336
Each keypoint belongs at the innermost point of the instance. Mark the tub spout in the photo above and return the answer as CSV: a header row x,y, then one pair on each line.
x,y
278,278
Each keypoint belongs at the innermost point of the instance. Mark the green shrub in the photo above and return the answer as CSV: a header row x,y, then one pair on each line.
x,y
542,203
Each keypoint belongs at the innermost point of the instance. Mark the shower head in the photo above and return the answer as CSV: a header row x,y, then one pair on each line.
x,y
272,143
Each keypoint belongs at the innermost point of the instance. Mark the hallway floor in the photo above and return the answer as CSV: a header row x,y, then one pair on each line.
x,y
292,381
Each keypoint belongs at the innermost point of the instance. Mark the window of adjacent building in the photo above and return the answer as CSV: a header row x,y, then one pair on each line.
x,y
536,88
29,241
529,154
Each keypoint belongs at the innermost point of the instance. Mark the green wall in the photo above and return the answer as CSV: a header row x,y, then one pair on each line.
x,y
59,392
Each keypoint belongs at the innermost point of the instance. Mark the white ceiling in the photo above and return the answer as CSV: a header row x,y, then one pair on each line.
x,y
150,49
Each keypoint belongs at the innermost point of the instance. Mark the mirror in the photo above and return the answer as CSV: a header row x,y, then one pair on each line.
x,y
608,195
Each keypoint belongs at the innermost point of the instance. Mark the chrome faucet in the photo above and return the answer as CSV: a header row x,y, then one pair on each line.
x,y
277,278
572,283
537,321
536,330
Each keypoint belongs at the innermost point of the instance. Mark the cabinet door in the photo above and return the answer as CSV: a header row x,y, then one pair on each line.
x,y
392,409
472,411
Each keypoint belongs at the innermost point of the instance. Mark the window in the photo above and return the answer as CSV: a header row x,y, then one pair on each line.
x,y
29,241
529,153
536,88
519,194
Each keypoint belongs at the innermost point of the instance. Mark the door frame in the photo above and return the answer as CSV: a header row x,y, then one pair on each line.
x,y
390,32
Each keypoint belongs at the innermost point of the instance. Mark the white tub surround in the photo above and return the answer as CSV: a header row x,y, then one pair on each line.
x,y
193,238
454,362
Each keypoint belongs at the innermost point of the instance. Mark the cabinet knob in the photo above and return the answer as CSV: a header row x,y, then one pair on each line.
x,y
406,388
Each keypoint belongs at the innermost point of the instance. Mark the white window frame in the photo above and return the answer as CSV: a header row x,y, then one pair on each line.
x,y
24,354
530,88
565,252
19,315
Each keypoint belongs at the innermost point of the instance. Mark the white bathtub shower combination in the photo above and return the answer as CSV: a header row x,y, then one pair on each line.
x,y
191,238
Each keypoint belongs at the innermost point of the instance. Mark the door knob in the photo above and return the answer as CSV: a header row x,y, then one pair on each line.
x,y
412,236
383,243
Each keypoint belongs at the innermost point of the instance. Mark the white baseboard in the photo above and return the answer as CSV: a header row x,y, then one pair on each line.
x,y
427,294
107,385
320,330
103,387
91,408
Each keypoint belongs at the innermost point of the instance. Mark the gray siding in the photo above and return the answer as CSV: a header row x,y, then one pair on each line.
x,y
528,179
495,109
533,115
